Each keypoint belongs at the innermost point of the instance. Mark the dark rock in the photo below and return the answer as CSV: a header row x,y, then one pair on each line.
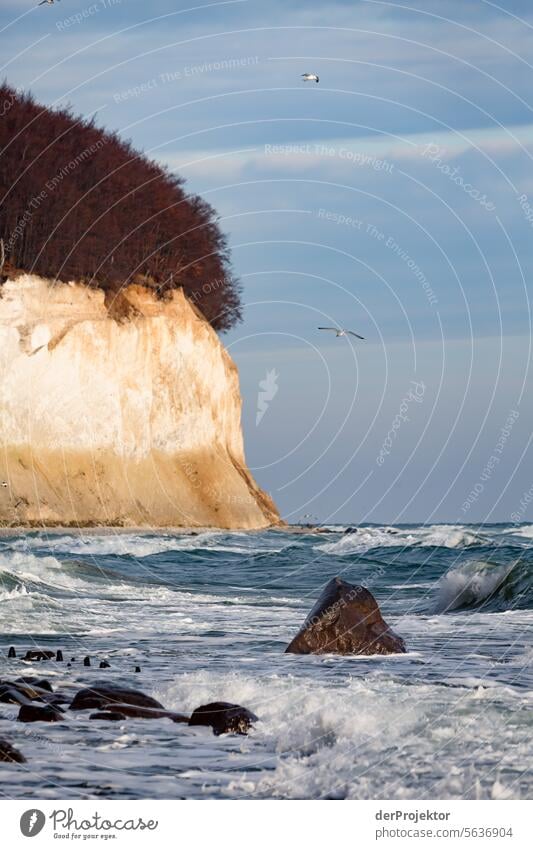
x,y
104,664
39,655
224,718
100,695
55,698
39,713
9,754
345,620
59,656
69,665
40,683
110,715
87,661
13,696
11,652
137,669
10,689
73,660
351,530
137,712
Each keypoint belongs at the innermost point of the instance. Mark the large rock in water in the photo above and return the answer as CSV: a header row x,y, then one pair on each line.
x,y
346,619
38,713
101,695
224,718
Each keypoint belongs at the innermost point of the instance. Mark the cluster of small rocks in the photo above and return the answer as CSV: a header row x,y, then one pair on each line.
x,y
39,702
36,655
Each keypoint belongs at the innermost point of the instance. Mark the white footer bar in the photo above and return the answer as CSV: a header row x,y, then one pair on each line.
x,y
274,824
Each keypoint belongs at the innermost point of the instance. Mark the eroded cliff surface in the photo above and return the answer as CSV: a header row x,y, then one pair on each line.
x,y
125,413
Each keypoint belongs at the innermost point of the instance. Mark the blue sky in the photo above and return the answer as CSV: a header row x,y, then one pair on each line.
x,y
391,198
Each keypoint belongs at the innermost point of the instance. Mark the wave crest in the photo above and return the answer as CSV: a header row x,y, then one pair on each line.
x,y
480,584
437,536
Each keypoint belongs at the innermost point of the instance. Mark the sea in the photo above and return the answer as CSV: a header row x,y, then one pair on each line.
x,y
207,617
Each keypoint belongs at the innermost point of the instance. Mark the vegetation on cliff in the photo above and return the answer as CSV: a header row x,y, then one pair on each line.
x,y
79,203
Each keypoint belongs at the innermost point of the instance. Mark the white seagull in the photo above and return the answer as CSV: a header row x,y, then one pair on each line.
x,y
47,2
339,331
311,78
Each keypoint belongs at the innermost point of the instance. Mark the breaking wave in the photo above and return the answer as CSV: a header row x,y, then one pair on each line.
x,y
366,539
481,584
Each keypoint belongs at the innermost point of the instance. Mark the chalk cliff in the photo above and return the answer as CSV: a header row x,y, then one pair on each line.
x,y
118,411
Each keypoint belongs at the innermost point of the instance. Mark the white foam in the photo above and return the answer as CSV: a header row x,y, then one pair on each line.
x,y
447,536
366,539
347,741
502,791
144,545
524,531
451,537
134,545
28,568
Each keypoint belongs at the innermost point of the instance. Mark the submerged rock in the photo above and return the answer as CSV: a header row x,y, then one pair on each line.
x,y
137,712
55,698
38,655
20,692
12,695
109,715
345,620
8,753
40,713
100,695
224,718
38,683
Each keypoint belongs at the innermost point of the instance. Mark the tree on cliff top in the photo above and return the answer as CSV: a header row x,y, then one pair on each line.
x,y
78,203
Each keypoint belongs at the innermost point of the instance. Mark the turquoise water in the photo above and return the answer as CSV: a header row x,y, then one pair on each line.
x,y
208,617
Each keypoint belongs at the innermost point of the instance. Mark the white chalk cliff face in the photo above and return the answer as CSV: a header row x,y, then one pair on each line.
x,y
125,413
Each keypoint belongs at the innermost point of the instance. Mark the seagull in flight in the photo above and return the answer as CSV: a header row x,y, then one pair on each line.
x,y
47,2
339,331
311,78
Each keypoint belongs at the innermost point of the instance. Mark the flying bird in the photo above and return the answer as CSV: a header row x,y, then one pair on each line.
x,y
47,2
339,331
311,78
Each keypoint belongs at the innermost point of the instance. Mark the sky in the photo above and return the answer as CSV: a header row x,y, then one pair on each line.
x,y
394,198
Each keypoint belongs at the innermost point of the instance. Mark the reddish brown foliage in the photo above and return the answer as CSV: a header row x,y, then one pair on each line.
x,y
78,203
